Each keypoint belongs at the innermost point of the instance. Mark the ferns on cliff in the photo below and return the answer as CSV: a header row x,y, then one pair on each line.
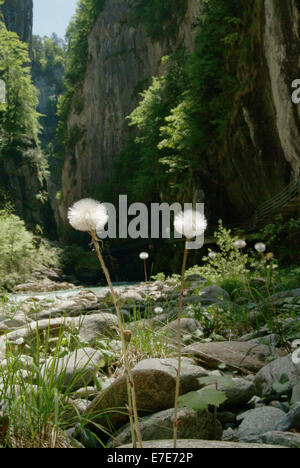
x,y
159,17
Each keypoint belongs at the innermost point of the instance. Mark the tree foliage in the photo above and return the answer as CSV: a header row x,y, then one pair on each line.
x,y
19,253
159,17
140,162
48,69
19,118
181,120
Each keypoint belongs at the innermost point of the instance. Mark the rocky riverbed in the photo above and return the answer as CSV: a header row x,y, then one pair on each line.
x,y
261,408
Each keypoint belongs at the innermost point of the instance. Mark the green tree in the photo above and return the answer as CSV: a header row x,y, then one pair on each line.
x,y
180,123
159,17
19,119
48,69
140,164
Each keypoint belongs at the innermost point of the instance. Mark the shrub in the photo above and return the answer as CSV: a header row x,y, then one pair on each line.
x,y
17,251
19,254
227,263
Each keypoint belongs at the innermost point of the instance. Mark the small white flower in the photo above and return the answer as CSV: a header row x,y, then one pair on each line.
x,y
144,256
158,310
190,223
212,254
88,215
240,244
260,247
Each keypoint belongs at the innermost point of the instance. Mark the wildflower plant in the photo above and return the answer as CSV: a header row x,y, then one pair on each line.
x,y
144,257
91,216
240,244
190,224
229,261
260,247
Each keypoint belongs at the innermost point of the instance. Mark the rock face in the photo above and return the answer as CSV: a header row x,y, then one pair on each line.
x,y
122,60
262,147
18,17
264,154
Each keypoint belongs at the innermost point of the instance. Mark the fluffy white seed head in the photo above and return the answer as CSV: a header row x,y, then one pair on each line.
x,y
190,223
240,244
144,256
260,247
158,310
88,215
212,254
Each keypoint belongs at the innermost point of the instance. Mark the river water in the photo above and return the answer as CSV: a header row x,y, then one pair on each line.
x,y
67,293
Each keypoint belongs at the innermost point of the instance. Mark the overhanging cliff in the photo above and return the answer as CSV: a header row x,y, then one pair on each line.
x,y
122,62
18,17
261,147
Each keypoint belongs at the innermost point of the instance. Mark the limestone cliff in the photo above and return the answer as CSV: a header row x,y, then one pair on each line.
x,y
123,60
18,17
262,143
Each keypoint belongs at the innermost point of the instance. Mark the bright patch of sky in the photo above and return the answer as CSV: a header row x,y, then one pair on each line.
x,y
52,16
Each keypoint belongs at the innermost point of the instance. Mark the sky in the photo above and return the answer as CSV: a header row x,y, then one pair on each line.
x,y
52,16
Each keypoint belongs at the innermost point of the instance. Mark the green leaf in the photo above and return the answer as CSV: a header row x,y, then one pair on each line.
x,y
192,400
213,397
201,400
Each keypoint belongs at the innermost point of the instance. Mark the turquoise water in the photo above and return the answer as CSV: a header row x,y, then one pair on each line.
x,y
100,290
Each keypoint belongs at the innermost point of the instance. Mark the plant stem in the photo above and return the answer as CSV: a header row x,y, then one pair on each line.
x,y
177,391
130,381
145,269
215,419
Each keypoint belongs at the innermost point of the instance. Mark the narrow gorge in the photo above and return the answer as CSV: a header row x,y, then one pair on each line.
x,y
257,153
128,319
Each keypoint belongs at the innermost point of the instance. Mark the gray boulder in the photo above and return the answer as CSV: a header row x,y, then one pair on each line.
x,y
189,328
296,394
236,355
93,326
193,425
272,373
289,421
155,381
76,369
259,421
188,375
237,395
213,295
286,439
